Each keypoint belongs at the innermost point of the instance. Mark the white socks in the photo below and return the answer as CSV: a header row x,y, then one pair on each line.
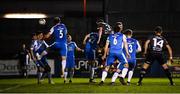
x,y
104,75
63,67
65,75
130,74
124,72
114,77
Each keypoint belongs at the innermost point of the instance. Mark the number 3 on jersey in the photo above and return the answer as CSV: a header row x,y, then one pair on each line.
x,y
130,48
60,33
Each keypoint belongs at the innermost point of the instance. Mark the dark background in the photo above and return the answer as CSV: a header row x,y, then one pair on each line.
x,y
139,15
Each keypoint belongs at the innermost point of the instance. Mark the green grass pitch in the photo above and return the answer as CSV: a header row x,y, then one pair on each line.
x,y
81,85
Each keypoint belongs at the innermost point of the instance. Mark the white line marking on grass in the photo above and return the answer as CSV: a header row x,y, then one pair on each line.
x,y
9,88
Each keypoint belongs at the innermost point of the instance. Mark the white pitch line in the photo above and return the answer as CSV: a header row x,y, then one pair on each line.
x,y
9,88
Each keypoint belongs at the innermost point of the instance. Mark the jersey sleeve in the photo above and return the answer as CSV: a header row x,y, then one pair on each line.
x,y
75,45
124,37
32,45
51,30
65,29
150,37
138,45
165,42
108,39
44,42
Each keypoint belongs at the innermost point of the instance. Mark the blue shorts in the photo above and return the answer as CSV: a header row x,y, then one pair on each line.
x,y
90,54
113,56
62,48
42,62
70,62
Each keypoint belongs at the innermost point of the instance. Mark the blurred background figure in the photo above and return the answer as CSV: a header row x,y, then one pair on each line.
x,y
24,58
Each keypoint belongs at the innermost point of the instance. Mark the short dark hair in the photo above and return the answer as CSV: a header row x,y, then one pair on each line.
x,y
128,32
158,29
116,27
33,34
57,20
118,23
99,21
38,32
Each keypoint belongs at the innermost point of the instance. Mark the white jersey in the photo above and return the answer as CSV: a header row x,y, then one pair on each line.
x,y
34,45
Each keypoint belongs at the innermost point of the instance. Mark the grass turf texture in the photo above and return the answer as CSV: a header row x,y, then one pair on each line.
x,y
81,85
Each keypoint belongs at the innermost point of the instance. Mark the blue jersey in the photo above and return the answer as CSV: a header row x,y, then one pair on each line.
x,y
115,43
70,55
59,32
91,46
71,47
92,41
132,47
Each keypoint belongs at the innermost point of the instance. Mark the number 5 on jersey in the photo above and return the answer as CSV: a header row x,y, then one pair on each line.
x,y
60,33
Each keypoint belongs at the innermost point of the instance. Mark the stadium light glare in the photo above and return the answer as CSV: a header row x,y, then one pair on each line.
x,y
25,15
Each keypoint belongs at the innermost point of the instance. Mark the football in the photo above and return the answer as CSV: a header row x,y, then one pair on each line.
x,y
42,21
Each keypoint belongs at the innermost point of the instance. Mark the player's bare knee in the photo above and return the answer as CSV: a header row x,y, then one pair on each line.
x,y
63,57
106,68
118,70
145,65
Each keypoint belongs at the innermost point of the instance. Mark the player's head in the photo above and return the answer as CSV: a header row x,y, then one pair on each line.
x,y
57,20
118,27
69,38
158,30
128,32
34,36
39,35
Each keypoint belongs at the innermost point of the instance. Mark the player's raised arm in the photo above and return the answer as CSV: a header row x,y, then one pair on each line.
x,y
146,47
126,46
169,51
86,37
32,55
49,33
78,49
106,49
139,49
100,34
